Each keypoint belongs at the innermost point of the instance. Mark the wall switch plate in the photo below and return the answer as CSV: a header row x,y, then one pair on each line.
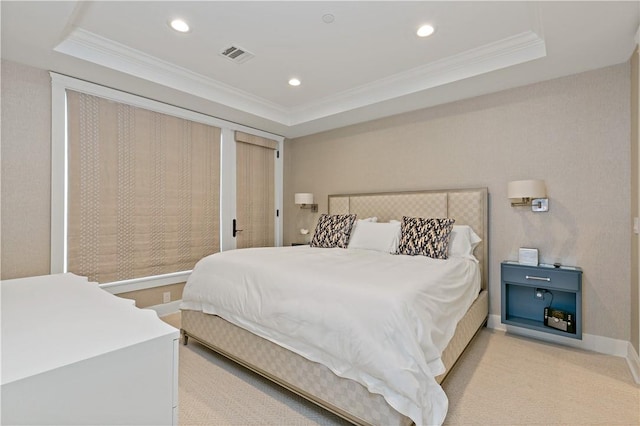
x,y
636,225
166,297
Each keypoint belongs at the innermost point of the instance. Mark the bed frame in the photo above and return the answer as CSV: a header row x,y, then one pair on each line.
x,y
315,382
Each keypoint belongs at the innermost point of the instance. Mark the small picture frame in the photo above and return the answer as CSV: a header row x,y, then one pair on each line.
x,y
528,256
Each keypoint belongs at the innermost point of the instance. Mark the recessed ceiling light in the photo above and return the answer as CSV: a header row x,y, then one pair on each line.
x,y
294,82
425,31
179,25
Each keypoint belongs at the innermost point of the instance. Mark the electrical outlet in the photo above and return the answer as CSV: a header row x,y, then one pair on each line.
x,y
166,297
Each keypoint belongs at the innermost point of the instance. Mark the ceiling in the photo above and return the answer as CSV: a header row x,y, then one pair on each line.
x,y
367,63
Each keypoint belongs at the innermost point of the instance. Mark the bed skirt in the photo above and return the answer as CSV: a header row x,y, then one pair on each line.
x,y
313,381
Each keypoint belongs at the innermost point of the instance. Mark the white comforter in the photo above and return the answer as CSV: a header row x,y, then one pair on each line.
x,y
382,320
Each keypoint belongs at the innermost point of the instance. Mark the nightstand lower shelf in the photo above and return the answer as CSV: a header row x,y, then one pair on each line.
x,y
535,325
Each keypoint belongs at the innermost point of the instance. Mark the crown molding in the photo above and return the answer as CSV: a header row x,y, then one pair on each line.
x,y
503,53
94,48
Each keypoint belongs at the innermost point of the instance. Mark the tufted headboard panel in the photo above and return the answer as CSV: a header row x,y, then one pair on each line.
x,y
466,206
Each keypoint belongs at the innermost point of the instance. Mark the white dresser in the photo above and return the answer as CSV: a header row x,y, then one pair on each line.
x,y
73,353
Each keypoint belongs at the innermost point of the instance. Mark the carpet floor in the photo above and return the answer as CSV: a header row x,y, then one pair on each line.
x,y
501,379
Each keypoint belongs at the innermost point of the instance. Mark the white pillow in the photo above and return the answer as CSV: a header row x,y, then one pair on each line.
x,y
382,237
463,241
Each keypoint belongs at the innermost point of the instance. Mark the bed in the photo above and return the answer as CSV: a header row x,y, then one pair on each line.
x,y
354,392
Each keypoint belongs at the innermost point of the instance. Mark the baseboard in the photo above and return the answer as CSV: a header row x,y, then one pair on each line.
x,y
589,342
633,360
166,308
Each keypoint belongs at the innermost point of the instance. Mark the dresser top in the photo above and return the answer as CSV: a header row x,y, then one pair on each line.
x,y
56,320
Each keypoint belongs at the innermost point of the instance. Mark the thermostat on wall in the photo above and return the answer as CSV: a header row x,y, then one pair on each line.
x,y
528,256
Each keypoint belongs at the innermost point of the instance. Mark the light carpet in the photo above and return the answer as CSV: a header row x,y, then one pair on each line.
x,y
500,380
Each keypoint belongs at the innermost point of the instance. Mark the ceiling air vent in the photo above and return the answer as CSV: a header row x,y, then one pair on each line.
x,y
237,54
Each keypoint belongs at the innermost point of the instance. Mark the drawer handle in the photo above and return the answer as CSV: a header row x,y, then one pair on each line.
x,y
531,277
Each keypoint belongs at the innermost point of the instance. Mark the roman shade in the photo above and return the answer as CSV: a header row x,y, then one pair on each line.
x,y
143,191
255,190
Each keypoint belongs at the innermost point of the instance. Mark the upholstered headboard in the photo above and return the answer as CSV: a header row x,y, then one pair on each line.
x,y
466,206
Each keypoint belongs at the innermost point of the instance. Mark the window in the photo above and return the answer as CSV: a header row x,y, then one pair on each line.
x,y
143,194
142,190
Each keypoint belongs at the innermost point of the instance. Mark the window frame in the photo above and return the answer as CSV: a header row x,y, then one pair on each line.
x,y
59,174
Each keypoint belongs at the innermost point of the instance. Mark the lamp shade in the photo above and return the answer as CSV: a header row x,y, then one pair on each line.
x,y
303,198
526,189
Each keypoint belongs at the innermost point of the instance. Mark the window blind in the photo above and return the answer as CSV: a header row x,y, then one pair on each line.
x,y
255,190
143,190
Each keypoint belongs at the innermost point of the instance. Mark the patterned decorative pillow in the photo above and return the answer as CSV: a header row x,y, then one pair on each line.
x,y
425,237
333,230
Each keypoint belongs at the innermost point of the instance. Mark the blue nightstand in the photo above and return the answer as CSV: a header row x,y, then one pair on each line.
x,y
527,290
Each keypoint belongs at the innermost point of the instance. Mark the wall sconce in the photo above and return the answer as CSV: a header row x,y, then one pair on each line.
x,y
528,193
305,201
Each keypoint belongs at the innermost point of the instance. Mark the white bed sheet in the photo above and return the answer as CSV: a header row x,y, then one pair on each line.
x,y
382,320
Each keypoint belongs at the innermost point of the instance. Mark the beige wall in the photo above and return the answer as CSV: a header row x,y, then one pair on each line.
x,y
26,179
572,132
635,199
25,171
154,296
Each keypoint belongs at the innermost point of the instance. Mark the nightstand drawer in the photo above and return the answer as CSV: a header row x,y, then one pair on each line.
x,y
534,276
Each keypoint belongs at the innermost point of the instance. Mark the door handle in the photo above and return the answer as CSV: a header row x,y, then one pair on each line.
x,y
235,230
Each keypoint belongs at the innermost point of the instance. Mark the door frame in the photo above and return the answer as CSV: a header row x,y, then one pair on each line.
x,y
228,185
